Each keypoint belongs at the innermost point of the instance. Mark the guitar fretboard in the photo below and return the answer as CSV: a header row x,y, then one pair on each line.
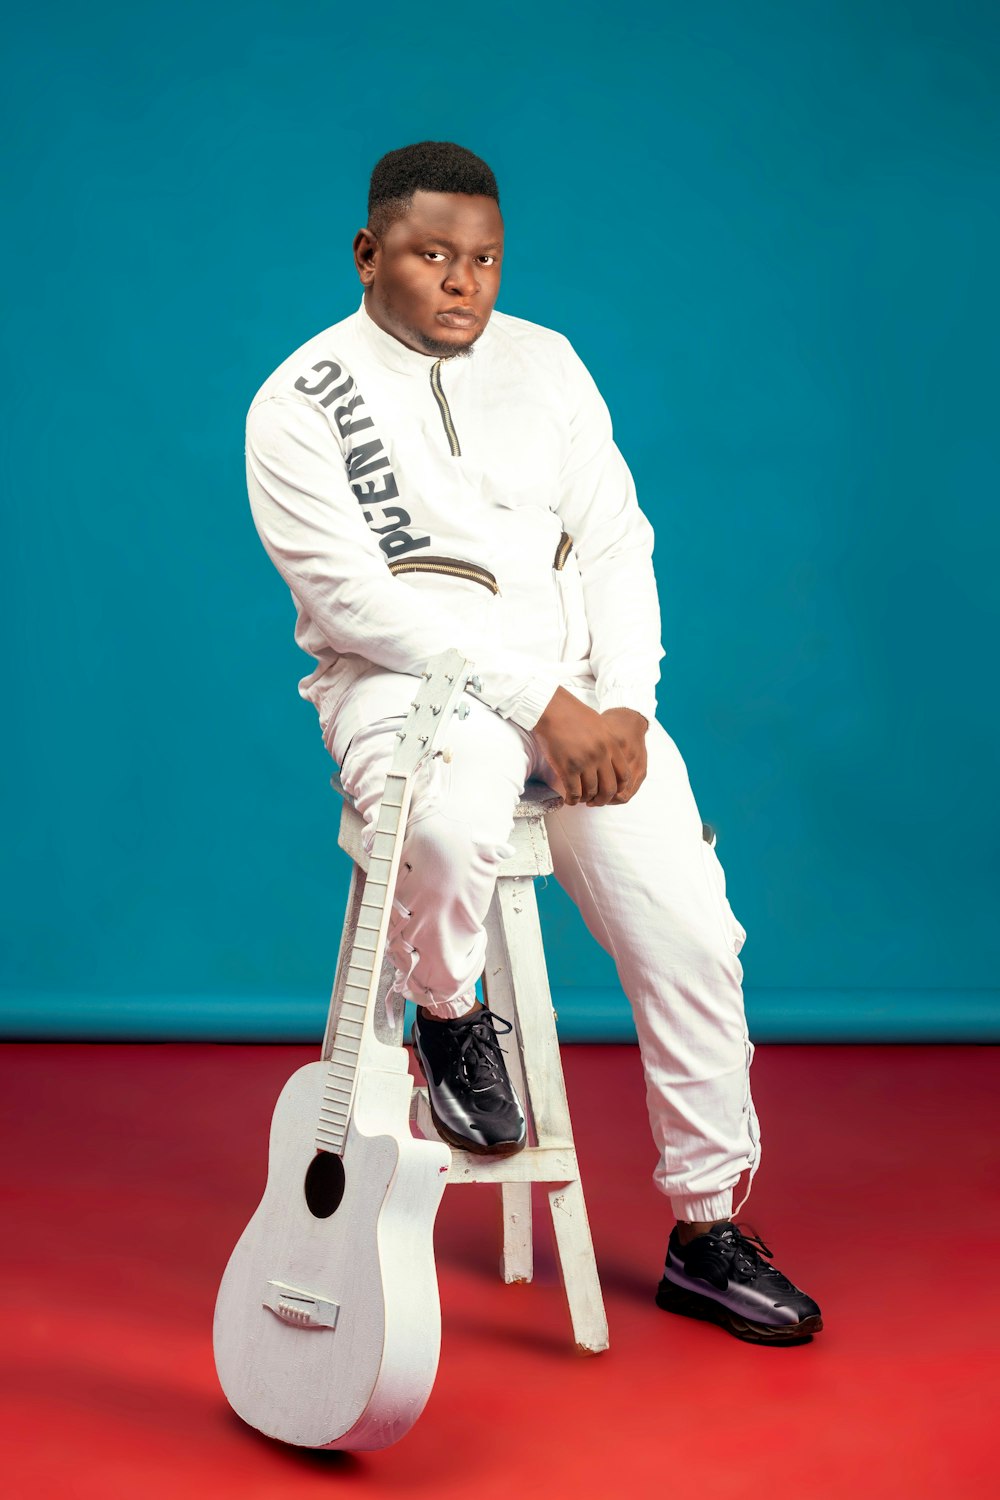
x,y
363,969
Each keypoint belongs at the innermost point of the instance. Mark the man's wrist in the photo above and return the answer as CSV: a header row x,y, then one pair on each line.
x,y
632,695
622,708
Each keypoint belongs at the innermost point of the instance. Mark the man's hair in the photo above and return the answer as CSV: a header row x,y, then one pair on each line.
x,y
430,166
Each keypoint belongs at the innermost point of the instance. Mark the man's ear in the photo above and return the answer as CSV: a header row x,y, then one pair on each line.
x,y
365,255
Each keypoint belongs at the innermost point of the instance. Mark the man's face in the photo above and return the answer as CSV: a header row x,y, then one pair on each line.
x,y
434,277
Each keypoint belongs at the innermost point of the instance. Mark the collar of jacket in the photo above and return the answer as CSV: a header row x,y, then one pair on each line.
x,y
399,356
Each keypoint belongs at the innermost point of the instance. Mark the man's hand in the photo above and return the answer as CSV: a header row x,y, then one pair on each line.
x,y
599,759
630,727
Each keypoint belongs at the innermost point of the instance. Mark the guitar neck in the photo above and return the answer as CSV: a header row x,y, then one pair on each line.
x,y
354,1041
354,1030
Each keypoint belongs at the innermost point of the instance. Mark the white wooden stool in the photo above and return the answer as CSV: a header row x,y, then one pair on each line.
x,y
516,985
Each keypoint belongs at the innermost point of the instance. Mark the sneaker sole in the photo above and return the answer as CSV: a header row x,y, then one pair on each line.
x,y
475,1148
677,1299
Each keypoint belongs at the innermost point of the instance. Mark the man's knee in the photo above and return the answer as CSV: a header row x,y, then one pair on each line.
x,y
443,851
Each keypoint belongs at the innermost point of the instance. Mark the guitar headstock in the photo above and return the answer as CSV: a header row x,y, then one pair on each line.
x,y
439,694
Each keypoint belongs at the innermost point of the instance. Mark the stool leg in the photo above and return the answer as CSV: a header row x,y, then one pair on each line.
x,y
498,993
515,961
517,1261
578,1266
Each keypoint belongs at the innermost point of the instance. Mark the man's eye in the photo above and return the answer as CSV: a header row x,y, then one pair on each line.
x,y
489,259
439,254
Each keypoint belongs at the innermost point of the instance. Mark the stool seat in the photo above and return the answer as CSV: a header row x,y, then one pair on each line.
x,y
531,846
537,795
515,985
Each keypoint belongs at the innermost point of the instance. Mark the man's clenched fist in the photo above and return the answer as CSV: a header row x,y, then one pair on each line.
x,y
630,726
598,758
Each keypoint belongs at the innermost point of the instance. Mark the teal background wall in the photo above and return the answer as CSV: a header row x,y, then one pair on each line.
x,y
770,230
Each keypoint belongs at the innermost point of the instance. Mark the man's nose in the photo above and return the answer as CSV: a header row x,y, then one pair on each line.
x,y
461,277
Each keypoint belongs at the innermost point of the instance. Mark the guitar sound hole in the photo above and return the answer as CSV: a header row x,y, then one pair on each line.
x,y
324,1184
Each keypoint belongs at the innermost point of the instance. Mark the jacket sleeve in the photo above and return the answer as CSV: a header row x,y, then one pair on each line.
x,y
613,541
313,531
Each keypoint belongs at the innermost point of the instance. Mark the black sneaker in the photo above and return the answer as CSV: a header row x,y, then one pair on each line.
x,y
720,1276
472,1100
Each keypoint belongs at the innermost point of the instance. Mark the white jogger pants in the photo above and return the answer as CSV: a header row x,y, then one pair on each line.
x,y
650,889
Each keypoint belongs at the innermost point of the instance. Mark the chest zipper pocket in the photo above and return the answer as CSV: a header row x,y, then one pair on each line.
x,y
563,551
451,567
576,643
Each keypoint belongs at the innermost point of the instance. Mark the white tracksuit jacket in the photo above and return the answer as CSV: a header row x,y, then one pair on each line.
x,y
413,504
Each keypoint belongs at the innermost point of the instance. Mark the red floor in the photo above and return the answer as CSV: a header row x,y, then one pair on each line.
x,y
131,1170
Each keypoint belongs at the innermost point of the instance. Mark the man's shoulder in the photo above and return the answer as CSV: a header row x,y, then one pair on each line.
x,y
317,351
530,336
544,351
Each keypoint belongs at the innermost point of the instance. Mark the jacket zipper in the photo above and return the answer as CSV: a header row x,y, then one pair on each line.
x,y
442,402
563,550
454,567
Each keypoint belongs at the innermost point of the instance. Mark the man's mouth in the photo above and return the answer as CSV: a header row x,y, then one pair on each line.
x,y
459,317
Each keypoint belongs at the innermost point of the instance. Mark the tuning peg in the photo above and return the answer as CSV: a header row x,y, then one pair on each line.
x,y
475,684
463,710
435,708
401,734
446,754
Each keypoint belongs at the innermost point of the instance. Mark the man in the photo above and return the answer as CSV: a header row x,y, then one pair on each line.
x,y
430,473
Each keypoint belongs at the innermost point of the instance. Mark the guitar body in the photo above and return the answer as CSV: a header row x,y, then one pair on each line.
x,y
366,1267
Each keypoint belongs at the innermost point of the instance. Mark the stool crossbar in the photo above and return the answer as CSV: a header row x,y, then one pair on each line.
x,y
516,985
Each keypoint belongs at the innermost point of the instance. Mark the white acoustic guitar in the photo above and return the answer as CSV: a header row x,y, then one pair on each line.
x,y
328,1320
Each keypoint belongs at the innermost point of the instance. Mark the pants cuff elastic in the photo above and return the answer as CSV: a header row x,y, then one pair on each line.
x,y
447,1010
711,1209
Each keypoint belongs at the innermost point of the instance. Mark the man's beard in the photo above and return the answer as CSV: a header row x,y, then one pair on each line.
x,y
440,348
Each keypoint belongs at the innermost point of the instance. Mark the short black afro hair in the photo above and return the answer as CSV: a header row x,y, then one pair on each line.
x,y
429,166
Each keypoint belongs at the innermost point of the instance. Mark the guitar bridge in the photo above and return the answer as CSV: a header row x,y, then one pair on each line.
x,y
301,1309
